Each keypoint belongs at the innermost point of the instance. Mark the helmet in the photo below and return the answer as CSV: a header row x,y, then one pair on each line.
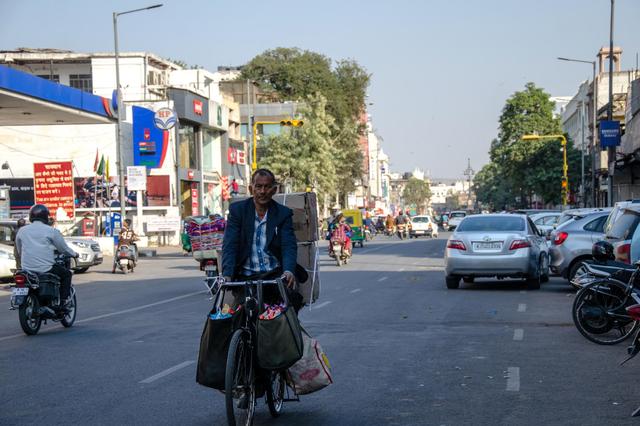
x,y
602,251
39,212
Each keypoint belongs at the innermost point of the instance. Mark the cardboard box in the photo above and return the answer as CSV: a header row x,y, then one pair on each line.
x,y
308,258
305,214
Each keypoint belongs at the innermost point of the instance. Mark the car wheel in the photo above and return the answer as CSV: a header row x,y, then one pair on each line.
x,y
81,270
576,269
452,281
534,281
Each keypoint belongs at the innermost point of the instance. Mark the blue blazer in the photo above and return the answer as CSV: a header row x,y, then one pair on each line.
x,y
238,236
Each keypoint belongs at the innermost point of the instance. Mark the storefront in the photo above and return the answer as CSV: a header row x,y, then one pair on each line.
x,y
193,115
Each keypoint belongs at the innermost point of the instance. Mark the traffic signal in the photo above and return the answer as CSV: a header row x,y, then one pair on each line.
x,y
292,123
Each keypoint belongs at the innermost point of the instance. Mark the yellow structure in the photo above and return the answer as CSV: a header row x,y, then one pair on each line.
x,y
288,122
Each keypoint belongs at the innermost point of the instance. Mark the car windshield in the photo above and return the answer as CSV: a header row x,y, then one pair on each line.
x,y
457,214
625,226
491,223
613,216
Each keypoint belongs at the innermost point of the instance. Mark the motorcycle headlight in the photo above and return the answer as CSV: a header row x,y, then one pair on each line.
x,y
81,244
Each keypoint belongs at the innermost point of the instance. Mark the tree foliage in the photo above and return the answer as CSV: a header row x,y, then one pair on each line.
x,y
302,75
521,169
416,191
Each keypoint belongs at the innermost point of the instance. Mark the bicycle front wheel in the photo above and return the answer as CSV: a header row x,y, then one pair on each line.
x,y
599,313
239,385
275,393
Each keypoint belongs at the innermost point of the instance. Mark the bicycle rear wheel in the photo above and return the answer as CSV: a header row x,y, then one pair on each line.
x,y
599,313
275,393
240,384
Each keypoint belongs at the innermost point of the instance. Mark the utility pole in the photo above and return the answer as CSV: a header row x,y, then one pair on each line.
x,y
611,151
469,172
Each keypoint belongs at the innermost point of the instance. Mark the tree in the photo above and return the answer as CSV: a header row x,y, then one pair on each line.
x,y
304,155
416,191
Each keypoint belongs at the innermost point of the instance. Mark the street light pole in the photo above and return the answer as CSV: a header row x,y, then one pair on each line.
x,y
119,153
593,128
611,151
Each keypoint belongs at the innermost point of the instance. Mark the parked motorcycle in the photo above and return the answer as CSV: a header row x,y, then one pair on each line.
x,y
125,259
339,252
36,296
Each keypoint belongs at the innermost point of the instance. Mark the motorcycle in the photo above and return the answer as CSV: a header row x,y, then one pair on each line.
x,y
36,296
209,266
402,231
339,252
125,259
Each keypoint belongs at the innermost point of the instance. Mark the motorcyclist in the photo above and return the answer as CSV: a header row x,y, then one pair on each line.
x,y
401,222
126,237
37,242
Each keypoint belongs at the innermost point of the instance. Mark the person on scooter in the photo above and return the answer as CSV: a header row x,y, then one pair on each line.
x,y
37,242
341,231
127,237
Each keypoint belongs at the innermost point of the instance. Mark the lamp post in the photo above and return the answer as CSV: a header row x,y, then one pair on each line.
x,y
593,130
6,166
611,151
565,167
119,154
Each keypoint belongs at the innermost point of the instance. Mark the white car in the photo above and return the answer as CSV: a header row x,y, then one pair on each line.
x,y
455,217
546,222
7,261
423,225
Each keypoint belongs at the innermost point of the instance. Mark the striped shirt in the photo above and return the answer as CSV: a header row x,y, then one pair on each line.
x,y
260,260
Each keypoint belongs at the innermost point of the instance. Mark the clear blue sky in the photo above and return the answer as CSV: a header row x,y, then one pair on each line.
x,y
441,70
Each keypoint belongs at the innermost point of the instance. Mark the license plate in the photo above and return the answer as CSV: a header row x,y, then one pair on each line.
x,y
20,291
124,262
488,246
210,267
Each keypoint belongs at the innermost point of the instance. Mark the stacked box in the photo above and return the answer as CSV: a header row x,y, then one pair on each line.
x,y
305,213
308,258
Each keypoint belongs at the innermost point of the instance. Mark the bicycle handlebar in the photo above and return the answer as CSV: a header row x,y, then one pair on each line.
x,y
223,283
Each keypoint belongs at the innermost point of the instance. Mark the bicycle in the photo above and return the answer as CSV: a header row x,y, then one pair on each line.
x,y
241,368
599,309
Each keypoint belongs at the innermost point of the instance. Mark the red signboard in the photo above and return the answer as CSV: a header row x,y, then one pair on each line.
x,y
197,107
241,157
226,194
195,205
236,156
53,186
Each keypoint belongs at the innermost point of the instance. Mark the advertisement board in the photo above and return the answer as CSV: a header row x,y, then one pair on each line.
x,y
136,178
95,192
53,185
20,192
150,143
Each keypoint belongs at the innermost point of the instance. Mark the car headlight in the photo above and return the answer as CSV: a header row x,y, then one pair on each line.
x,y
81,244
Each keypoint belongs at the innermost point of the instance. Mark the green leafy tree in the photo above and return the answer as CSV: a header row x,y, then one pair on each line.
x,y
304,155
416,191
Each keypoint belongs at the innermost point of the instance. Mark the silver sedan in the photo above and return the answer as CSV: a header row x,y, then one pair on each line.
x,y
497,245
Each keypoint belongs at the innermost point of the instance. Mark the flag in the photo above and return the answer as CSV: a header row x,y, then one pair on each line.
x,y
95,163
100,169
107,170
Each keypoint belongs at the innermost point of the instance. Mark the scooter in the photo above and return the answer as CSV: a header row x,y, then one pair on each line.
x,y
339,252
125,259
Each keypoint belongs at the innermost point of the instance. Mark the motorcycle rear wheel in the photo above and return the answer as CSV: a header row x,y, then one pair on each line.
x,y
591,316
30,321
70,317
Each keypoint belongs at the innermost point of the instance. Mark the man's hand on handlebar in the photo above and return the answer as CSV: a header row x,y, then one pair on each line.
x,y
289,279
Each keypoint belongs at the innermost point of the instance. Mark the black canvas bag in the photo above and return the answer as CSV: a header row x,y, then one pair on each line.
x,y
279,343
214,345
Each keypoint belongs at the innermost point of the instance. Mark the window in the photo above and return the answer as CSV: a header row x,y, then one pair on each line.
x,y
55,77
596,225
457,214
625,226
491,223
81,81
188,147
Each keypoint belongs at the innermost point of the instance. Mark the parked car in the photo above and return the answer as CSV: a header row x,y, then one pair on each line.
x,y
619,230
546,222
88,249
531,212
570,214
571,241
455,217
7,261
423,225
497,245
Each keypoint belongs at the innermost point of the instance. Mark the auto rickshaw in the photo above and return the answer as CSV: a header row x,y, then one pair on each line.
x,y
354,219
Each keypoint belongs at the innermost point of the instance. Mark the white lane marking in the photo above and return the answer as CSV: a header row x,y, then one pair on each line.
x,y
513,379
401,270
355,290
382,279
518,334
321,305
523,291
167,372
126,311
377,248
522,307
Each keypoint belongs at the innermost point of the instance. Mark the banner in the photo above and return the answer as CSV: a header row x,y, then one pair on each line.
x,y
157,192
21,192
53,185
